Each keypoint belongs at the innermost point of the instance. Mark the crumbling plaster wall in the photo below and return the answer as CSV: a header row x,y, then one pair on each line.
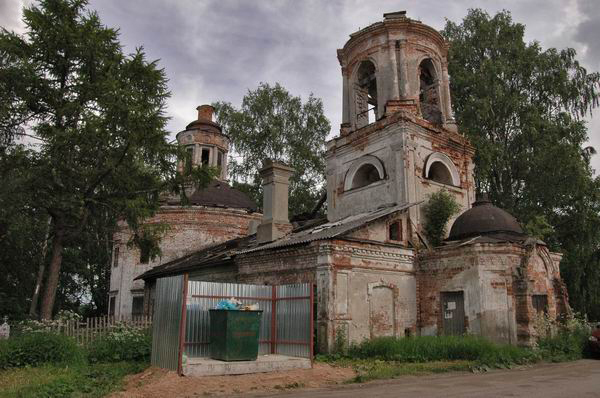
x,y
403,144
498,281
363,289
190,229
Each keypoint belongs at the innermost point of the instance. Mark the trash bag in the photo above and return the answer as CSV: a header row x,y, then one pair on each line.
x,y
229,304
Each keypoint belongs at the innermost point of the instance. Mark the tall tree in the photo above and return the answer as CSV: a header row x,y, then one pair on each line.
x,y
522,107
98,116
272,123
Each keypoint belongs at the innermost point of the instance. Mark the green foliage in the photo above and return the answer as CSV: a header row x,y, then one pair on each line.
x,y
272,123
522,107
34,349
123,343
439,348
97,380
440,207
563,339
97,118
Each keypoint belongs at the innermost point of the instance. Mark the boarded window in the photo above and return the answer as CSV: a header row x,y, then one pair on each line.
x,y
205,159
395,231
116,258
540,303
111,305
137,306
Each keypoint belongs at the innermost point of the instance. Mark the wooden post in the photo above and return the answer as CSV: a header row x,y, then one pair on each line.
x,y
273,319
182,324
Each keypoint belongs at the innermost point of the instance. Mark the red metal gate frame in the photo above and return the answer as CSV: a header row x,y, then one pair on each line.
x,y
273,299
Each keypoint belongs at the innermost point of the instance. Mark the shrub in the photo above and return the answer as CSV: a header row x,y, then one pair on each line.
x,y
34,349
437,211
122,343
563,339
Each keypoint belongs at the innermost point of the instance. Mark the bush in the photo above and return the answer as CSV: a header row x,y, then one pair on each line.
x,y
437,211
122,343
443,348
34,349
564,339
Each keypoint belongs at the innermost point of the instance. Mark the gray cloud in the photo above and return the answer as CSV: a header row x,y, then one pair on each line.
x,y
218,49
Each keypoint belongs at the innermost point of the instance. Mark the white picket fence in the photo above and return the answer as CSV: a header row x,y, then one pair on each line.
x,y
91,328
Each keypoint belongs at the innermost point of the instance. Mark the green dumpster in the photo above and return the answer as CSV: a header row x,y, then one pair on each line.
x,y
234,334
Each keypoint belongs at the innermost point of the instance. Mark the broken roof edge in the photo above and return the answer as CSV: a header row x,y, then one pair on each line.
x,y
226,256
331,230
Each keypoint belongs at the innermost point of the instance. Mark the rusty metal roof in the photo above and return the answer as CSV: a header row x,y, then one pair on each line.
x,y
223,253
331,229
220,194
484,219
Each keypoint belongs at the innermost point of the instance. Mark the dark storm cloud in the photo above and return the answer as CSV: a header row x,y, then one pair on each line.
x,y
588,31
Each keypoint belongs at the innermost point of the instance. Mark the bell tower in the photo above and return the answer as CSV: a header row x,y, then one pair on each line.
x,y
205,143
391,65
398,139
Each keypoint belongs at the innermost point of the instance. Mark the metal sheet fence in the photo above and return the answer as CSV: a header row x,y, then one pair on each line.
x,y
289,332
166,322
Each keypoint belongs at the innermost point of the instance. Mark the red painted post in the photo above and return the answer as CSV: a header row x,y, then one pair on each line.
x,y
273,319
182,325
312,322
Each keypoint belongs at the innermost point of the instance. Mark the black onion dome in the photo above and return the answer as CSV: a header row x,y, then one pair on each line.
x,y
484,219
220,194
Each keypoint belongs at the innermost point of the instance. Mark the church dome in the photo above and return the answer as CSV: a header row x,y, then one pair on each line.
x,y
220,194
484,219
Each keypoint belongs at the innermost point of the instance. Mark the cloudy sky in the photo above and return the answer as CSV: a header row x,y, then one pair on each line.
x,y
216,50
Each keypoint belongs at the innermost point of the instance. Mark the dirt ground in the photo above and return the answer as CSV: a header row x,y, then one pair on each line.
x,y
157,383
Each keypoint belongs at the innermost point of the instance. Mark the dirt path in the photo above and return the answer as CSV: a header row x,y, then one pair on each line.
x,y
164,384
572,379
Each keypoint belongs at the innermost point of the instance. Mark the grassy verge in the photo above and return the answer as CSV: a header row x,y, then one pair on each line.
x,y
94,380
386,357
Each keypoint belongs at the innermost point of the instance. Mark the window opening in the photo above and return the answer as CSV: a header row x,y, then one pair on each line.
x,y
111,305
137,306
189,157
428,92
395,231
116,258
540,303
438,172
366,94
144,255
205,156
365,175
219,159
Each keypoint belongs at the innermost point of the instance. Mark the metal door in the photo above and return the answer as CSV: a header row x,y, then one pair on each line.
x,y
453,313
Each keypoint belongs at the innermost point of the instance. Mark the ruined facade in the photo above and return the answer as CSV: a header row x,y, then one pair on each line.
x,y
372,270
215,214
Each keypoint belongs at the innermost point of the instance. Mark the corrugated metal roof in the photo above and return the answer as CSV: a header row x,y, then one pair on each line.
x,y
330,230
224,252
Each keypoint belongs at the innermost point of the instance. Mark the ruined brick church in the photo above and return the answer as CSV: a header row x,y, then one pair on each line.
x,y
374,274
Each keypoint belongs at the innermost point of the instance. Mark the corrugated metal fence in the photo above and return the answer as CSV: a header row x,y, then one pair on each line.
x,y
286,325
166,324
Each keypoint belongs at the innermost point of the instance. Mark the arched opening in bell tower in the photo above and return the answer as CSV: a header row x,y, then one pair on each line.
x,y
366,94
429,98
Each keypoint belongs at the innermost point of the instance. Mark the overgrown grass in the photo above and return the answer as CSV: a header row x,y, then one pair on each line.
x,y
443,348
95,380
34,349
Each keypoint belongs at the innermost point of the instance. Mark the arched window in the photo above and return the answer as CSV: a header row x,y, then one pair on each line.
x,y
428,92
363,172
366,94
440,168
